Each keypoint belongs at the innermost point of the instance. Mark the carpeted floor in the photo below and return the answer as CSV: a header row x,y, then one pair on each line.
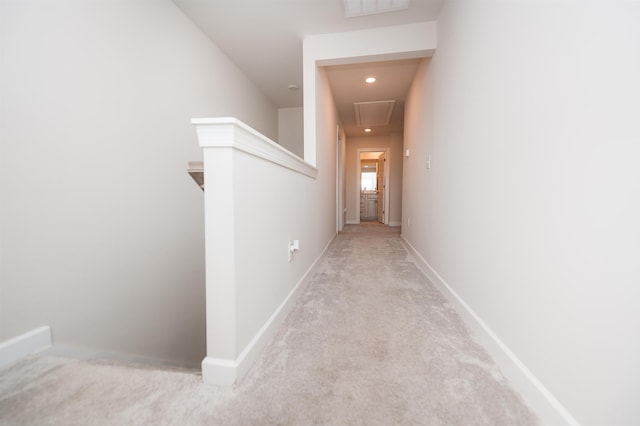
x,y
369,342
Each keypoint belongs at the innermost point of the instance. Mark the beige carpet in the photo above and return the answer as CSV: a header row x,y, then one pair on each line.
x,y
369,342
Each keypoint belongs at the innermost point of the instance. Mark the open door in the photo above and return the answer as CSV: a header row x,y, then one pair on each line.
x,y
380,177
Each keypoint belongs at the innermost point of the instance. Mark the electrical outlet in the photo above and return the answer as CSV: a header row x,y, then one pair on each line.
x,y
292,247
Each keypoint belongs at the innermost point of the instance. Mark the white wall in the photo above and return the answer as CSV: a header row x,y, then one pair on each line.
x,y
256,204
530,209
101,227
324,220
341,188
291,130
280,206
394,144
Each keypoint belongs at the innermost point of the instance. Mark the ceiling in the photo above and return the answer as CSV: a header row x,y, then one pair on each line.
x,y
393,79
264,39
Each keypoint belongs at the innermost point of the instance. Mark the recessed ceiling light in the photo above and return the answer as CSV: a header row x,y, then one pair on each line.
x,y
367,130
370,80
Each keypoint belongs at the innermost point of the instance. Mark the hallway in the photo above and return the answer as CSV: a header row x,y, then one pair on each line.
x,y
370,341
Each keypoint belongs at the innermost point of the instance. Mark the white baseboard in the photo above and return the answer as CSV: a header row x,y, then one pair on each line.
x,y
33,341
90,353
395,223
225,372
353,222
539,398
220,372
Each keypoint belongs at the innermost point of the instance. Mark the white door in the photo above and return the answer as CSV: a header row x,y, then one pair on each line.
x,y
380,177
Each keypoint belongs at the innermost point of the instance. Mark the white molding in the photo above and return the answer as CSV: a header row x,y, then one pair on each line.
x,y
395,223
87,353
219,372
541,400
228,132
353,222
225,372
30,342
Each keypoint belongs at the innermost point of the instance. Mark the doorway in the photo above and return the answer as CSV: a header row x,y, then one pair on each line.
x,y
373,185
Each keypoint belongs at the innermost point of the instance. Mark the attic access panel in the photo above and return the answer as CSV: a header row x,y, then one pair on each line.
x,y
353,8
375,113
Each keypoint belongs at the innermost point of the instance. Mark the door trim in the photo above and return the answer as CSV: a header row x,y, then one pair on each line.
x,y
340,189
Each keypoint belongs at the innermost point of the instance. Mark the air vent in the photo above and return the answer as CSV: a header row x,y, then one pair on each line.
x,y
377,113
354,8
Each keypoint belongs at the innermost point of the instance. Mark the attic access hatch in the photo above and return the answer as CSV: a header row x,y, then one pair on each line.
x,y
375,113
353,8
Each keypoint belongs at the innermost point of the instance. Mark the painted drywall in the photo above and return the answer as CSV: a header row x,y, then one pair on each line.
x,y
281,207
530,209
291,130
394,144
341,194
255,207
101,227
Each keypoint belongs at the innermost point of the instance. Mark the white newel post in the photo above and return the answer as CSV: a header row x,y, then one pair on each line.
x,y
225,143
216,140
